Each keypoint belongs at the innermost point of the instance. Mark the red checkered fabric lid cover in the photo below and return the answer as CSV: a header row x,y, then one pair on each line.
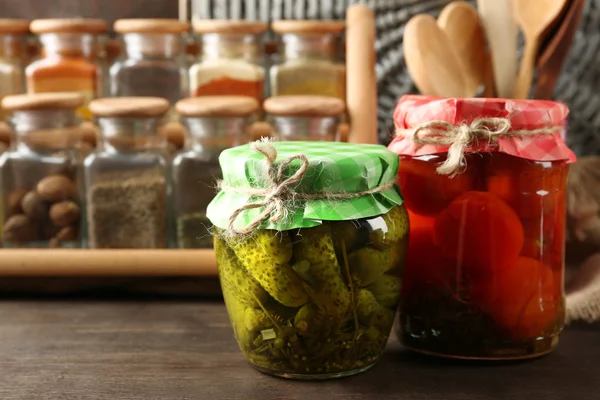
x,y
413,110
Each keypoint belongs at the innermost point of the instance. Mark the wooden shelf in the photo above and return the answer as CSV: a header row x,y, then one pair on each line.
x,y
106,263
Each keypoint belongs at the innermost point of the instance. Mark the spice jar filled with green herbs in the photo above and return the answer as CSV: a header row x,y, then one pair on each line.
x,y
214,123
126,182
40,175
314,118
309,59
310,240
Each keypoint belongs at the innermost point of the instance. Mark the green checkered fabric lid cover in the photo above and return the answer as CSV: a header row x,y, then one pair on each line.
x,y
333,168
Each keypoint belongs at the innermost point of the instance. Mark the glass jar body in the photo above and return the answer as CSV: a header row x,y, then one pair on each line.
x,y
309,67
127,191
12,55
69,63
230,64
41,185
485,268
195,172
300,128
315,303
152,65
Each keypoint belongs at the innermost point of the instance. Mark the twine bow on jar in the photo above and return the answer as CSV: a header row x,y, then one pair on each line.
x,y
461,137
279,197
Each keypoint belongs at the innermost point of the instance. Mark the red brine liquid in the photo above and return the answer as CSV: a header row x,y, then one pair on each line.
x,y
484,272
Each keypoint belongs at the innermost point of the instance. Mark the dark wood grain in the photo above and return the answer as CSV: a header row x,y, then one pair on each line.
x,y
185,350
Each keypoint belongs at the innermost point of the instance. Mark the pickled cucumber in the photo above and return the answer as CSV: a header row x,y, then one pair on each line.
x,y
397,228
234,277
386,290
368,264
371,313
346,232
331,293
266,256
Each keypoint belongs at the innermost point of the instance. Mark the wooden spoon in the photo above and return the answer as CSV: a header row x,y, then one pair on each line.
x,y
551,61
501,32
430,59
460,22
535,18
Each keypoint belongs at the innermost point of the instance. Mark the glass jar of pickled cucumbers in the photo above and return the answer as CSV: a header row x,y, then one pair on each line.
x,y
484,181
310,239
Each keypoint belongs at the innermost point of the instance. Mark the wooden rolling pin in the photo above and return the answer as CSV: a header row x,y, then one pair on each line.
x,y
107,263
361,82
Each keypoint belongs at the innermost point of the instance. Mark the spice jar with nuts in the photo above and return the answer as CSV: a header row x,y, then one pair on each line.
x,y
213,124
40,174
126,178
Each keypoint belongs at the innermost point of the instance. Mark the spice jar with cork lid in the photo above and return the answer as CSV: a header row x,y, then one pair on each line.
x,y
13,49
40,176
70,58
314,118
484,182
126,181
153,60
231,59
309,59
214,123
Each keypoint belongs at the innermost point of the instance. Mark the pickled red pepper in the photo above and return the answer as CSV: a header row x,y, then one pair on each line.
x,y
484,183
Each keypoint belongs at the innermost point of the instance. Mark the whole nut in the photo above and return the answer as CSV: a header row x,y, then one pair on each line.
x,y
55,188
20,228
66,234
34,206
64,213
14,200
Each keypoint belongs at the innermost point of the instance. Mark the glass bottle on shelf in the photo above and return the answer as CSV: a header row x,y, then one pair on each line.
x,y
214,123
70,58
40,175
313,118
309,59
231,59
13,36
153,60
126,177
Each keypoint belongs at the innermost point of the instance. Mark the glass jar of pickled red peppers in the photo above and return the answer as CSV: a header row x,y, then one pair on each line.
x,y
310,250
484,184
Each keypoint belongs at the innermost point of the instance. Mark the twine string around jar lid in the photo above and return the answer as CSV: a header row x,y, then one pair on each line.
x,y
279,191
460,137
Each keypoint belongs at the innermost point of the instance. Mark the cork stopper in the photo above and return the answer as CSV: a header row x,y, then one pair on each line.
x,y
304,106
157,25
43,101
308,26
68,25
229,26
135,107
217,106
14,26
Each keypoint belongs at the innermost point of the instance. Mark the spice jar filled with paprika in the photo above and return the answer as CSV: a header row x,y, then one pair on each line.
x,y
126,181
153,60
310,63
40,176
310,240
214,123
70,58
231,59
314,118
13,54
484,182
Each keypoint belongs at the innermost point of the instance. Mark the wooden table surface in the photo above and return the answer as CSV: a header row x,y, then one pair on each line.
x,y
185,350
